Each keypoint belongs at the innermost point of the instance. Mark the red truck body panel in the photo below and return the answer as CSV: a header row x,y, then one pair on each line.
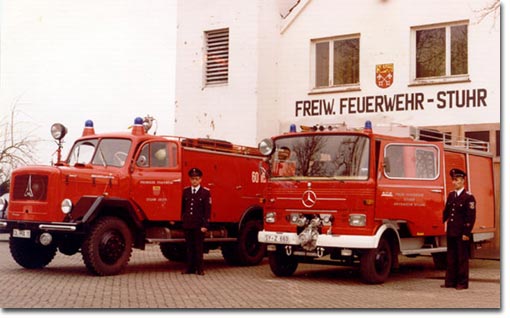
x,y
131,184
359,196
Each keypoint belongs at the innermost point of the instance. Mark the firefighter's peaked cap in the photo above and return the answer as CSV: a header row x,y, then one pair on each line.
x,y
195,172
457,173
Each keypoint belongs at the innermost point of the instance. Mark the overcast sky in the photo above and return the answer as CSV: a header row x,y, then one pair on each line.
x,y
69,61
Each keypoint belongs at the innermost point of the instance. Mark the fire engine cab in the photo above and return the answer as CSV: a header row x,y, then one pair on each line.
x,y
362,197
118,191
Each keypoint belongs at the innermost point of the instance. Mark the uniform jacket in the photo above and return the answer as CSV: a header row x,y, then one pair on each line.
x,y
196,208
460,213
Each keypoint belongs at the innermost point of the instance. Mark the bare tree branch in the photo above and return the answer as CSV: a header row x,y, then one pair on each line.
x,y
16,145
491,9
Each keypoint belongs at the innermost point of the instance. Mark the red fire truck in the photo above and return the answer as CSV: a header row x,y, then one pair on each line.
x,y
362,197
118,191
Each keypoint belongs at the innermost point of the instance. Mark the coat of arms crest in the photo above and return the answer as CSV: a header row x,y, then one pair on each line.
x,y
384,75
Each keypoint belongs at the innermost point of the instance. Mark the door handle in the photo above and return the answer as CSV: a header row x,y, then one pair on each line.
x,y
436,191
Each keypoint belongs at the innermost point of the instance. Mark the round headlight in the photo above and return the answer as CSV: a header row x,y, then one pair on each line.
x,y
266,147
66,206
58,131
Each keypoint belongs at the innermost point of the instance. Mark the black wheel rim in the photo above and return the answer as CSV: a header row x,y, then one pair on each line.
x,y
381,261
111,247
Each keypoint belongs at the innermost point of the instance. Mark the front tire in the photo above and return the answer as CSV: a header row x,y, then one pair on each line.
x,y
376,263
281,264
107,249
29,254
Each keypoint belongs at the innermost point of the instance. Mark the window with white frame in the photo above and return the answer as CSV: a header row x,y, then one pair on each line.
x,y
335,62
440,52
216,60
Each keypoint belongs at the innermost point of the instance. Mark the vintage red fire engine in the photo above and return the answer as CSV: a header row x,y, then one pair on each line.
x,y
119,191
360,198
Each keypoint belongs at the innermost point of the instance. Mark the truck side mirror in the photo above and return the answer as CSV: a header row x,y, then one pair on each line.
x,y
262,170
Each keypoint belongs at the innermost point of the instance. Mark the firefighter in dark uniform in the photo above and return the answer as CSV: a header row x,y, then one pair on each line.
x,y
459,215
196,210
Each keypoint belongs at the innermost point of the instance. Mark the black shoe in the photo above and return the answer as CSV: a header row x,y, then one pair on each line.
x,y
459,287
201,273
186,272
447,286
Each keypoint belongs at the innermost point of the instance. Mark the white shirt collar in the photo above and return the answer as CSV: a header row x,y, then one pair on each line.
x,y
195,190
459,191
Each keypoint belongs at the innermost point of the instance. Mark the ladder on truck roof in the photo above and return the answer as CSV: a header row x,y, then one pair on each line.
x,y
465,143
219,145
419,133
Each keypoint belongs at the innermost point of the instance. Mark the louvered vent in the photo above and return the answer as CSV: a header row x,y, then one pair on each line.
x,y
216,68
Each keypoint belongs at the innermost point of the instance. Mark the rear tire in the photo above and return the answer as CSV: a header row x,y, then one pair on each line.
x,y
247,251
173,252
30,254
439,260
107,248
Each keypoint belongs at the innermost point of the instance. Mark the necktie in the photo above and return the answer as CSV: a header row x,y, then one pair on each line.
x,y
194,191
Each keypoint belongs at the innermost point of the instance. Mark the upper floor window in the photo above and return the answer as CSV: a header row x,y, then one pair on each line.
x,y
335,62
216,62
440,52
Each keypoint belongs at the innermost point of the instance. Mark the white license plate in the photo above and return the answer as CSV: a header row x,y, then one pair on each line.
x,y
21,233
274,238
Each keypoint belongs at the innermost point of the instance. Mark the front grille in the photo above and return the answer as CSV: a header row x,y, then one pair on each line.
x,y
30,187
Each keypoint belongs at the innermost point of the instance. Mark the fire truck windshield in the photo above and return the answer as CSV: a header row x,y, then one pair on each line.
x,y
103,152
341,157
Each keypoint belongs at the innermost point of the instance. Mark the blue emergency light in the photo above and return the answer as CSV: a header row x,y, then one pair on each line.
x,y
368,126
138,121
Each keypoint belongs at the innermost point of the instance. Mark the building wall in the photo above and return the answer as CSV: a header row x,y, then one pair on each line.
x,y
384,28
225,111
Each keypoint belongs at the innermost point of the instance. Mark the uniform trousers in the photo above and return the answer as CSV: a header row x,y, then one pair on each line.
x,y
194,250
457,258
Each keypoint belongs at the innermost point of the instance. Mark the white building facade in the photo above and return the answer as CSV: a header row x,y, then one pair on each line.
x,y
430,63
421,63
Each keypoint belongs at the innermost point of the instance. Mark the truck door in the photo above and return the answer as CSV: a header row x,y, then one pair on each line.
x,y
411,186
156,184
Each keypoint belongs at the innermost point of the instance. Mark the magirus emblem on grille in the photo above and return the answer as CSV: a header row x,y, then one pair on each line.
x,y
28,191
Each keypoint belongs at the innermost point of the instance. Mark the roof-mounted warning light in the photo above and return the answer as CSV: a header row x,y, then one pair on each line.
x,y
138,128
292,128
89,128
368,127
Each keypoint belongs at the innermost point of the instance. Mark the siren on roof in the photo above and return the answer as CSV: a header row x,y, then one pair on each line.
x,y
89,128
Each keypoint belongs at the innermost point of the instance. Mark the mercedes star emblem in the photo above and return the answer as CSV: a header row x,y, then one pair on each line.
x,y
309,198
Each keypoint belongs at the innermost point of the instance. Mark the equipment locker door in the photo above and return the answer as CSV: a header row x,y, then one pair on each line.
x,y
411,186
